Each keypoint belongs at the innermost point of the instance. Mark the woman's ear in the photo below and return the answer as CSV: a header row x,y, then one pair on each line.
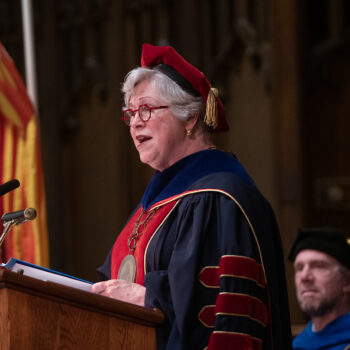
x,y
191,121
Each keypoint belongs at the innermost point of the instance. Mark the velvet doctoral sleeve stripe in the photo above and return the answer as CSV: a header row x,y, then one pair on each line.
x,y
234,304
232,266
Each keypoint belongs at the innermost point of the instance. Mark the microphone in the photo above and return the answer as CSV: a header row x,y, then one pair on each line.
x,y
8,186
16,218
20,215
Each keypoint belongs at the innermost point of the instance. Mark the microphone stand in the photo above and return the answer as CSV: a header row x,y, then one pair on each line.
x,y
15,218
7,227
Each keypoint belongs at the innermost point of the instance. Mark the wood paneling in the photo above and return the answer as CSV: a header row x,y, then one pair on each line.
x,y
286,110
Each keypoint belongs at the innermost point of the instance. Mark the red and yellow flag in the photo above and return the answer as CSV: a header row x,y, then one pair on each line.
x,y
20,159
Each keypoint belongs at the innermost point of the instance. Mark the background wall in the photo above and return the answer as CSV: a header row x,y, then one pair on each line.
x,y
281,69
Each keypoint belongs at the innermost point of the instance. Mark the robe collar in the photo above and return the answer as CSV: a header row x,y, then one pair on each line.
x,y
178,177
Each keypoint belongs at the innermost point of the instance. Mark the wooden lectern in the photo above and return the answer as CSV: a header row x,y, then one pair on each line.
x,y
38,315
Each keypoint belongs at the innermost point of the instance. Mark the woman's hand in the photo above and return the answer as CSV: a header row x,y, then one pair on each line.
x,y
122,290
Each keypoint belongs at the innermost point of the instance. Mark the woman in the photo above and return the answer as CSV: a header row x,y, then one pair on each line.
x,y
202,245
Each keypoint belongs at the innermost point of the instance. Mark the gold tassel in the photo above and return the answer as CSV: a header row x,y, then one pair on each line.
x,y
212,112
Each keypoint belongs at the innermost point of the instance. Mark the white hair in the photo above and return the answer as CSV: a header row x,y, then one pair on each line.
x,y
182,104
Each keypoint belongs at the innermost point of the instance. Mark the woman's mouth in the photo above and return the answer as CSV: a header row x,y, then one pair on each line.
x,y
142,139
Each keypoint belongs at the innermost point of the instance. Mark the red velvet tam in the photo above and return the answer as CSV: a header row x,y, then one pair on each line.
x,y
189,78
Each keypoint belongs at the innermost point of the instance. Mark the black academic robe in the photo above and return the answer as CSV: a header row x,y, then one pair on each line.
x,y
215,265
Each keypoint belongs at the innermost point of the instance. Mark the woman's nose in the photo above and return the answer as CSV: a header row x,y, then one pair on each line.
x,y
136,120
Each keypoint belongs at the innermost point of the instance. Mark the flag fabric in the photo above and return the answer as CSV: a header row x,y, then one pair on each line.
x,y
20,158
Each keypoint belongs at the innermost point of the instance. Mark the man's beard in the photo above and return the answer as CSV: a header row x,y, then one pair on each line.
x,y
315,308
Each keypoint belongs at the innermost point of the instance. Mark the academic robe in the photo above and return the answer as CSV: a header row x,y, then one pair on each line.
x,y
335,336
212,261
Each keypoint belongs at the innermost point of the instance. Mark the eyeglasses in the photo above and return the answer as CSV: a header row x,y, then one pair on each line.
x,y
144,113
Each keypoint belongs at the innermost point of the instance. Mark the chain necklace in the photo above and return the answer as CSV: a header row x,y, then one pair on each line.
x,y
138,229
127,269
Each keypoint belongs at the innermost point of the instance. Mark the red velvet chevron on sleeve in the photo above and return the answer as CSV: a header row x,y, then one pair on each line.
x,y
236,306
244,267
229,341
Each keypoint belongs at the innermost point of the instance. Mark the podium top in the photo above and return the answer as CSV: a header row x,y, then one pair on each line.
x,y
82,299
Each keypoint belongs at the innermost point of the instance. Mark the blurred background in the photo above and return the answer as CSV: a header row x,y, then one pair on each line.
x,y
281,67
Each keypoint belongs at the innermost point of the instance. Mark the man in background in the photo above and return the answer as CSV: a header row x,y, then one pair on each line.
x,y
321,259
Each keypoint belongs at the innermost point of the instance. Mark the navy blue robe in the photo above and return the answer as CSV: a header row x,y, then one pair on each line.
x,y
215,267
